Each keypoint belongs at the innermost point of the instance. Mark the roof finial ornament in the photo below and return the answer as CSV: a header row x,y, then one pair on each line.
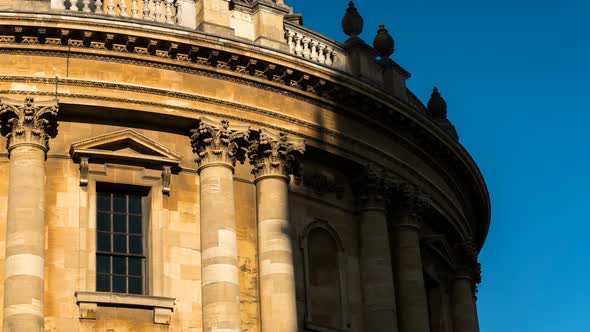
x,y
352,22
437,106
383,43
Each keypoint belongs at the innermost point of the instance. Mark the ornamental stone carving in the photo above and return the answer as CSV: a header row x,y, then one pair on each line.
x,y
218,143
468,266
373,187
275,155
412,205
28,123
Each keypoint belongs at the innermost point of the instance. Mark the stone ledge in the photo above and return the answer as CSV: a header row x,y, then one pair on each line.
x,y
88,303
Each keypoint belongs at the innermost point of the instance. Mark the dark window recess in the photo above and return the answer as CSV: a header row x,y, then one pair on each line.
x,y
120,243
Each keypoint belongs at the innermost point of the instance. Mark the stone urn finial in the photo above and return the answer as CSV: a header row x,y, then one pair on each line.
x,y
383,43
437,106
352,22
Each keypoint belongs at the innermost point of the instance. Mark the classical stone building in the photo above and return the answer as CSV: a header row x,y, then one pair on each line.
x,y
216,166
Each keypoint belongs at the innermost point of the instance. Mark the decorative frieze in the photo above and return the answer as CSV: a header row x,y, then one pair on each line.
x,y
216,142
28,123
275,155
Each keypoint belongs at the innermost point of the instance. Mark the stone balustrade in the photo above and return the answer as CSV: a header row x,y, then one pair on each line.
x,y
312,46
161,11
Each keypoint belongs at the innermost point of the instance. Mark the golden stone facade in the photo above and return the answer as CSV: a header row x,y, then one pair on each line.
x,y
219,167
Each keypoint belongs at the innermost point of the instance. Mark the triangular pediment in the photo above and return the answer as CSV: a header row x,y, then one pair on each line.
x,y
124,145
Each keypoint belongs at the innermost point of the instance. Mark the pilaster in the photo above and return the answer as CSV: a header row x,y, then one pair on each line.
x,y
28,127
217,146
275,158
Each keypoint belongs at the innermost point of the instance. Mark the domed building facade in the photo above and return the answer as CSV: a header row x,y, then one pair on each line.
x,y
216,166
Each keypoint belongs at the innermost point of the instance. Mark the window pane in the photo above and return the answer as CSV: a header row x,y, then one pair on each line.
x,y
103,202
119,265
135,285
119,284
103,222
119,203
135,266
103,283
135,204
135,244
120,223
135,225
103,264
103,242
120,243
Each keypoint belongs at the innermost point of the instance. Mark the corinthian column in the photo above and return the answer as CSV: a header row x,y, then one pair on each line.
x,y
375,260
412,300
28,128
467,275
275,158
218,146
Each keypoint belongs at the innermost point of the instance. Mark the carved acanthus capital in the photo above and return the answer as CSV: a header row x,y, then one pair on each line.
x,y
275,155
28,123
468,266
218,143
412,205
373,187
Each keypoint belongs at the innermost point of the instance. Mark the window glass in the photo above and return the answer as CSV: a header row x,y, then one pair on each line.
x,y
120,260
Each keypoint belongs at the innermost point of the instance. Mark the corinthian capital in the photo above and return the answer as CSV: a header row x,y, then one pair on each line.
x,y
28,123
218,143
273,154
373,187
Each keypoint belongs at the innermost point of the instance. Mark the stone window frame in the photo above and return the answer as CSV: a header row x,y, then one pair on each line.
x,y
342,268
121,168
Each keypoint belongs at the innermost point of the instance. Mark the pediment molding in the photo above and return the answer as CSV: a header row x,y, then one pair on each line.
x,y
127,147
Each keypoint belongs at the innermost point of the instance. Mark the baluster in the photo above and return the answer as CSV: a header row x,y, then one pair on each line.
x,y
158,11
321,55
111,8
178,6
290,34
123,8
146,9
98,9
86,7
61,4
169,15
298,47
306,50
134,9
329,52
74,5
314,50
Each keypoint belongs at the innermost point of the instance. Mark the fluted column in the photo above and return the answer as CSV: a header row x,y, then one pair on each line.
x,y
218,146
413,304
379,312
275,158
463,300
28,128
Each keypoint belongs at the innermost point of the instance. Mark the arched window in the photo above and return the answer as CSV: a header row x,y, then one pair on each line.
x,y
324,277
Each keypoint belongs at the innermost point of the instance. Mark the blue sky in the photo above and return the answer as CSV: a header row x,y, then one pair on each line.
x,y
515,76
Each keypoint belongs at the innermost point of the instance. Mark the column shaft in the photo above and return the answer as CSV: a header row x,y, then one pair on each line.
x,y
220,283
376,273
25,240
464,308
277,278
413,304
